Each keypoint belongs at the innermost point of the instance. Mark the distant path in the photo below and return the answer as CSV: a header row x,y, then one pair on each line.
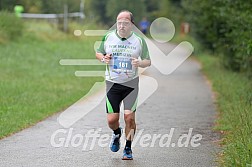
x,y
182,101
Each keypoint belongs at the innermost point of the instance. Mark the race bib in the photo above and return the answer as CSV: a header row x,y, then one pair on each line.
x,y
122,64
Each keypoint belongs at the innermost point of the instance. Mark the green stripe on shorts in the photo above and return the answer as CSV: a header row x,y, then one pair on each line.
x,y
109,106
134,106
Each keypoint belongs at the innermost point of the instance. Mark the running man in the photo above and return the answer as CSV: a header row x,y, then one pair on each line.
x,y
123,51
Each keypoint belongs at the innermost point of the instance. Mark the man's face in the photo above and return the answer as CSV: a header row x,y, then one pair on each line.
x,y
124,25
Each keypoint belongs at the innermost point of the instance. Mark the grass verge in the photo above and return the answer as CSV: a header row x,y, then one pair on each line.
x,y
33,84
234,101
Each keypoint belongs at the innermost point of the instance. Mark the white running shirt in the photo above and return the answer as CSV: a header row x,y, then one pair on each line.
x,y
120,69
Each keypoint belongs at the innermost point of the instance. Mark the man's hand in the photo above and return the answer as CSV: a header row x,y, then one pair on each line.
x,y
135,62
107,58
140,63
103,58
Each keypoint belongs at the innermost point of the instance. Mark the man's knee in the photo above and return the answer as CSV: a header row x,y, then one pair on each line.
x,y
129,119
112,119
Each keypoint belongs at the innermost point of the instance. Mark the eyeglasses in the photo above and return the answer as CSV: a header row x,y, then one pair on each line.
x,y
123,23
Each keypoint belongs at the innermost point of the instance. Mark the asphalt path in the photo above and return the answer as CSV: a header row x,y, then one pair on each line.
x,y
174,128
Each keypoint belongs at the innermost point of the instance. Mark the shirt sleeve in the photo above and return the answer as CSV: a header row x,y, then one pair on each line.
x,y
101,48
145,51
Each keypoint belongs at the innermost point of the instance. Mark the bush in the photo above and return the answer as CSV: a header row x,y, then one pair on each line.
x,y
224,27
11,27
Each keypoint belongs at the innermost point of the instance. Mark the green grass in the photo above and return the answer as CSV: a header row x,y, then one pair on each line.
x,y
33,84
234,102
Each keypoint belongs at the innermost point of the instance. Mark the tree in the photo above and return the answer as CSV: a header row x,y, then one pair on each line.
x,y
224,27
98,8
7,5
137,7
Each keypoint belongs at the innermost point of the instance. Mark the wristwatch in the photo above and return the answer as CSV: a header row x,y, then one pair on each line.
x,y
103,59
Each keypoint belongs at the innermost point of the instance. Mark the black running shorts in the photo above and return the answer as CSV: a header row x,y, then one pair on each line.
x,y
118,92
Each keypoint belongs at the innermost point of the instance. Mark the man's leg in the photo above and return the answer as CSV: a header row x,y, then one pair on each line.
x,y
130,104
113,123
113,101
130,125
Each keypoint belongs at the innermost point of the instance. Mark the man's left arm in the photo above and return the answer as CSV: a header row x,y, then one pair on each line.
x,y
145,56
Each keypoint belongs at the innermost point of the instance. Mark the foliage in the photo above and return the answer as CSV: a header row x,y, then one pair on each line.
x,y
104,11
107,10
234,101
224,26
114,7
7,5
41,6
11,27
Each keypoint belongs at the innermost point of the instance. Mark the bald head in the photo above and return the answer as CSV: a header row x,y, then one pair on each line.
x,y
125,14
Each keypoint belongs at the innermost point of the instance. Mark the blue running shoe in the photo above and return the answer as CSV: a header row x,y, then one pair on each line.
x,y
115,142
127,154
